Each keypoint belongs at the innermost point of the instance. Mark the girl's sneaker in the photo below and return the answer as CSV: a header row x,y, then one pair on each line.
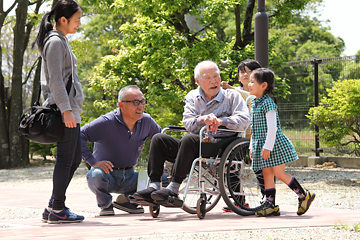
x,y
268,210
305,203
65,216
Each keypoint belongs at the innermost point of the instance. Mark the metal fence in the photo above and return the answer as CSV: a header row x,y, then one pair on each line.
x,y
308,81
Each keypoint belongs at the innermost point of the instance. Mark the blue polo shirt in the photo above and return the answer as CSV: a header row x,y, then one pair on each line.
x,y
113,140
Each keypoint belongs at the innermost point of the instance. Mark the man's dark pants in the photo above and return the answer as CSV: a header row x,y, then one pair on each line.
x,y
180,151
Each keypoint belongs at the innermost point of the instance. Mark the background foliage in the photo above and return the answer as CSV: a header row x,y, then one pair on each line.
x,y
156,45
338,116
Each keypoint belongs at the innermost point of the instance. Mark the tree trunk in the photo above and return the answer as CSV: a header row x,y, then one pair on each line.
x,y
18,154
248,36
237,27
4,116
244,38
4,139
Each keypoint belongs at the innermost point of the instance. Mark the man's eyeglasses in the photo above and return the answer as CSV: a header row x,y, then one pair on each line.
x,y
209,77
137,102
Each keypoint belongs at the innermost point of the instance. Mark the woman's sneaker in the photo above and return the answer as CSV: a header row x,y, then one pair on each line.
x,y
65,216
269,209
45,215
305,203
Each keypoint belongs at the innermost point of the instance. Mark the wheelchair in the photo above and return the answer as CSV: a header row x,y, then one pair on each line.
x,y
222,170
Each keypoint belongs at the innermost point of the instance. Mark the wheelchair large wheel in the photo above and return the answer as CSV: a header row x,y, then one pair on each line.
x,y
239,185
211,183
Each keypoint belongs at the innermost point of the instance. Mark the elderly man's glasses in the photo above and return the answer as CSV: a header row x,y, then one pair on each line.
x,y
137,102
209,77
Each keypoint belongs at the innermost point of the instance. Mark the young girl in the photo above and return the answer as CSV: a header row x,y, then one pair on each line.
x,y
58,68
270,149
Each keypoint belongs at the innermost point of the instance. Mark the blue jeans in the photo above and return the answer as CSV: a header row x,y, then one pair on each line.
x,y
117,181
68,159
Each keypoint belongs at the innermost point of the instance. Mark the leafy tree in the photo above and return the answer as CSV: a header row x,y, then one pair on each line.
x,y
156,45
14,149
304,38
338,116
160,47
149,43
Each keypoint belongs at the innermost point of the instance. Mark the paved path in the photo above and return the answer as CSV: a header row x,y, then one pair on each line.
x,y
170,220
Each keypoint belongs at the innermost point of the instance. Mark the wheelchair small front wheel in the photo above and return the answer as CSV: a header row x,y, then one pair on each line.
x,y
201,207
211,183
154,211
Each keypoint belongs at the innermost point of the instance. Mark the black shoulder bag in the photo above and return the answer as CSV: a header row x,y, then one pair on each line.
x,y
43,124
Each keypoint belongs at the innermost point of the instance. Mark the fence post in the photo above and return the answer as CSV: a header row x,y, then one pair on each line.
x,y
316,63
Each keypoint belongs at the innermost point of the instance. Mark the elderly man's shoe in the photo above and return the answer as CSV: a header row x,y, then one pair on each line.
x,y
163,195
144,194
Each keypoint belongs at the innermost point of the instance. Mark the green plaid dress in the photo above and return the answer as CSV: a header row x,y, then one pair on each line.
x,y
283,150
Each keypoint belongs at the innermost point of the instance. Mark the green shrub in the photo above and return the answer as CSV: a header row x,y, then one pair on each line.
x,y
338,116
42,150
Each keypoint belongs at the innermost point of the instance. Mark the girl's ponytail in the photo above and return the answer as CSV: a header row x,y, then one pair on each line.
x,y
274,97
45,27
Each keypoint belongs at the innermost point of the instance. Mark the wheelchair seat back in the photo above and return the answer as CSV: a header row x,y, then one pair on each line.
x,y
213,149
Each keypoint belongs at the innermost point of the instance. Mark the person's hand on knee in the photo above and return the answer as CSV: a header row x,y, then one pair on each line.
x,y
106,166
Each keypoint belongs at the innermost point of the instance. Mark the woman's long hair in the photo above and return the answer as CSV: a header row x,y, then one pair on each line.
x,y
63,8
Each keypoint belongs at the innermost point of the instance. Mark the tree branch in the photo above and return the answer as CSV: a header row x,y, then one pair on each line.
x,y
10,8
30,71
176,81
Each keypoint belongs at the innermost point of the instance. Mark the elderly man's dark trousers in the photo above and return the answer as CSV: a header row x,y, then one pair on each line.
x,y
182,152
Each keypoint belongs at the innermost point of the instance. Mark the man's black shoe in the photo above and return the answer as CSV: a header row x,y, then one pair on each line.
x,y
144,194
163,195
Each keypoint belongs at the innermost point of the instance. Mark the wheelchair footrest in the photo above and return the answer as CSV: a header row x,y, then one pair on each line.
x,y
171,202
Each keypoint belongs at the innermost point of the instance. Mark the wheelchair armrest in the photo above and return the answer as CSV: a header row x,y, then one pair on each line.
x,y
224,129
174,129
220,129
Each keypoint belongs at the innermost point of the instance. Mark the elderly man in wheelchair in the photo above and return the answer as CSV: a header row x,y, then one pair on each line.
x,y
209,105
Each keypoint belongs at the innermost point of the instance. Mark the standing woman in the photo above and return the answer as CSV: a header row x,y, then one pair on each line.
x,y
58,68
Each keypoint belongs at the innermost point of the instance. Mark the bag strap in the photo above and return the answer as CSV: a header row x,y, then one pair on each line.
x,y
69,83
68,88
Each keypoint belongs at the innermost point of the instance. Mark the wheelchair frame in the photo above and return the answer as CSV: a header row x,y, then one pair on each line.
x,y
234,162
